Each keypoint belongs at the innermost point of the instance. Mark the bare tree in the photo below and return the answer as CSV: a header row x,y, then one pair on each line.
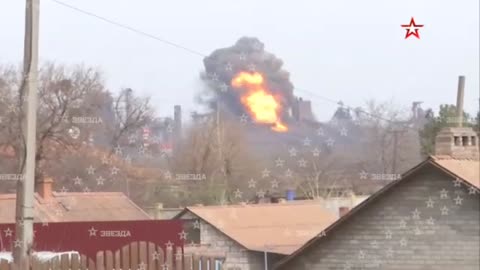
x,y
379,122
222,163
73,107
337,170
131,114
59,91
323,178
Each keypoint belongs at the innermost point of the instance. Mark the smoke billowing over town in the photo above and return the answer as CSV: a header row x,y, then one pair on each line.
x,y
246,55
115,153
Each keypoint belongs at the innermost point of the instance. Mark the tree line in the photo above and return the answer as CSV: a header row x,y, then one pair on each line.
x,y
89,138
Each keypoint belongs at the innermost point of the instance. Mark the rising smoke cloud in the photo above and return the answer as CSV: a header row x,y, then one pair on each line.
x,y
247,54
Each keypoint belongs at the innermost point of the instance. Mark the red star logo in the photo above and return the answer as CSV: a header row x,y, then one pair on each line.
x,y
412,29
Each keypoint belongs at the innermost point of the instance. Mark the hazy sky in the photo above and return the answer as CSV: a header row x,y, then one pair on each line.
x,y
344,50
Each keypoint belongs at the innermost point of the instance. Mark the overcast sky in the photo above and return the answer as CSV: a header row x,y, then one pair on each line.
x,y
343,50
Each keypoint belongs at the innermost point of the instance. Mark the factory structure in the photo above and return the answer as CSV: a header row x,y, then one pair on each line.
x,y
164,134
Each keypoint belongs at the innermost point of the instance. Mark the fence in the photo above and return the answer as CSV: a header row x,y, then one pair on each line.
x,y
135,256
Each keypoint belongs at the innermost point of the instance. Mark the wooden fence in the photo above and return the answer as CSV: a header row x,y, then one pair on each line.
x,y
135,256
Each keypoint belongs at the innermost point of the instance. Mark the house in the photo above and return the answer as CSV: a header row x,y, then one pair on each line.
x,y
158,211
72,206
254,236
88,223
335,204
427,219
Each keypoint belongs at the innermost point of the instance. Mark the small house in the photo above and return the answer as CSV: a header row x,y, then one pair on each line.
x,y
255,236
50,206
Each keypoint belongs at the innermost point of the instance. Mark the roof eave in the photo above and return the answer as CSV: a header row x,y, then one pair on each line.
x,y
189,210
453,174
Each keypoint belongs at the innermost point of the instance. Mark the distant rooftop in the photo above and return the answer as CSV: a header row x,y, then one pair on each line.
x,y
73,206
278,228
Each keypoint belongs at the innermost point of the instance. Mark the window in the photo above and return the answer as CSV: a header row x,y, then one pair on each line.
x,y
474,140
465,140
218,264
457,140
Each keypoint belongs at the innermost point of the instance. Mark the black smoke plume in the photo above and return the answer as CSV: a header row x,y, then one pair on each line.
x,y
247,54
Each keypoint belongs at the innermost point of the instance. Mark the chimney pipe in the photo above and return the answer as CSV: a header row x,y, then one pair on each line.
x,y
158,210
460,94
342,211
44,188
177,122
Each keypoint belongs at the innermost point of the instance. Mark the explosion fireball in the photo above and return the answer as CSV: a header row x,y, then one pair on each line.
x,y
262,105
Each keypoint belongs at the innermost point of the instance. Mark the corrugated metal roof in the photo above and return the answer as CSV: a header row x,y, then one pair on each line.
x,y
72,206
277,228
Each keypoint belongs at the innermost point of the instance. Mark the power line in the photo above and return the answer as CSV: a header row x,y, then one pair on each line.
x,y
340,103
197,53
140,32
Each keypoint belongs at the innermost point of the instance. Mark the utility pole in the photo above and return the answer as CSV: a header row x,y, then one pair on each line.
x,y
220,150
25,188
219,141
128,94
395,145
478,118
128,110
396,132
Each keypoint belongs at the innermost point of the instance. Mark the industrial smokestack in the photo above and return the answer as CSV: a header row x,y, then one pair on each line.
x,y
458,142
177,118
177,125
460,94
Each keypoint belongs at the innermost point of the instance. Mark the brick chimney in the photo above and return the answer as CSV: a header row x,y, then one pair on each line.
x,y
458,142
44,188
342,210
302,110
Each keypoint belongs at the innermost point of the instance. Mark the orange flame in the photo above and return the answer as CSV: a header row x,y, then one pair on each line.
x,y
262,105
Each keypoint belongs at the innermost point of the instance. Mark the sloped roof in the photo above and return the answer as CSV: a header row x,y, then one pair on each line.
x,y
466,170
278,228
73,206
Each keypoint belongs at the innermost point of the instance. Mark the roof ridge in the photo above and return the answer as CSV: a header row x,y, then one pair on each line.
x,y
302,202
444,157
62,194
61,208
